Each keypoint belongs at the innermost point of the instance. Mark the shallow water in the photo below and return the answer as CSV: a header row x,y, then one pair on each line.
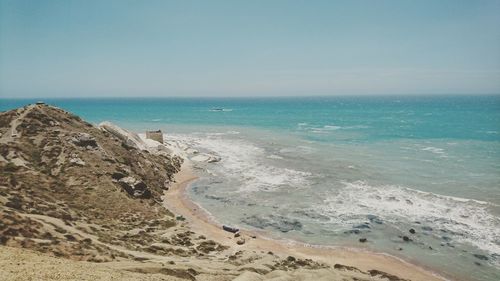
x,y
330,171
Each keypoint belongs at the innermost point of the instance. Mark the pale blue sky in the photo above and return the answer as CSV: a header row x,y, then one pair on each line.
x,y
248,48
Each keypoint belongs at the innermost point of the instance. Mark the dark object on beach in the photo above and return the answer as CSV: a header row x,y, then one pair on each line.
x,y
406,239
412,231
241,241
386,275
237,234
40,102
230,229
180,218
362,240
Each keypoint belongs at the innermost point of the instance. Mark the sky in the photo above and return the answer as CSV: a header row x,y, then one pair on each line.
x,y
106,48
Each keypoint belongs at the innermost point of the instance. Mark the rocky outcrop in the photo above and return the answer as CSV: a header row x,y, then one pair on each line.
x,y
84,140
135,188
130,139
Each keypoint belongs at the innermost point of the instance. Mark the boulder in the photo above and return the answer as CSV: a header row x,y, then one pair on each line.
x,y
77,161
84,140
135,188
118,175
230,229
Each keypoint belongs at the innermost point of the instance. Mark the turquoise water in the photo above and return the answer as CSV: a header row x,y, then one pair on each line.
x,y
331,170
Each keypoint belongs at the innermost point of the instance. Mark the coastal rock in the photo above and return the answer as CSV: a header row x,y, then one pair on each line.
x,y
362,226
481,257
207,158
374,219
77,161
128,138
134,187
230,229
84,140
280,223
240,241
118,175
362,240
412,231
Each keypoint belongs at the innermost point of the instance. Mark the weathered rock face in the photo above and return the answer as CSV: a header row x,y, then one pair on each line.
x,y
128,138
135,187
84,140
55,166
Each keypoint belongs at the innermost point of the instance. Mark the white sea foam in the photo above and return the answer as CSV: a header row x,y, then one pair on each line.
x,y
331,127
274,156
244,161
434,150
466,220
326,129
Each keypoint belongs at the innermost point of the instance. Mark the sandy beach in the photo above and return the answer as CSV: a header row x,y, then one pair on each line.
x,y
177,200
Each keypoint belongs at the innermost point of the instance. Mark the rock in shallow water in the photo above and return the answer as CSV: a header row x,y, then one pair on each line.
x,y
374,219
481,257
280,223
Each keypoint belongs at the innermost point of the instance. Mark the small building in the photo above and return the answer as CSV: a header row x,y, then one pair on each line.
x,y
155,135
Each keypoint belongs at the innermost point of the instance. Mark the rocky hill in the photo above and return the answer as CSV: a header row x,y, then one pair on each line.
x,y
58,169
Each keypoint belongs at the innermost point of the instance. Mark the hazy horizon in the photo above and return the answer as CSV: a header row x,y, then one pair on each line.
x,y
88,49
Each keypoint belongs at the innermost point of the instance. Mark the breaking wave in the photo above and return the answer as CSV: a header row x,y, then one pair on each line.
x,y
467,220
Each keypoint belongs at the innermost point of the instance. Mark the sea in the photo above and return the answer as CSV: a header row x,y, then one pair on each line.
x,y
417,176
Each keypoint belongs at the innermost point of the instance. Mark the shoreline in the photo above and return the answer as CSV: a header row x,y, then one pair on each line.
x,y
199,219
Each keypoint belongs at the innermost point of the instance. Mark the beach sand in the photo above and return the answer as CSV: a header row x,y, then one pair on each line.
x,y
177,200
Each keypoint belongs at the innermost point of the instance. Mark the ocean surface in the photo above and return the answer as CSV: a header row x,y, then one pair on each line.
x,y
332,170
